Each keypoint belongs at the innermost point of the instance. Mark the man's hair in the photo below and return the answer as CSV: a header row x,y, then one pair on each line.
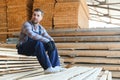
x,y
37,9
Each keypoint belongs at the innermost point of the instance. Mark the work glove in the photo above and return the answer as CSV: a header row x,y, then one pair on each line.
x,y
50,45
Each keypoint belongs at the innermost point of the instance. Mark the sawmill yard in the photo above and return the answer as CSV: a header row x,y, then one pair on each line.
x,y
86,53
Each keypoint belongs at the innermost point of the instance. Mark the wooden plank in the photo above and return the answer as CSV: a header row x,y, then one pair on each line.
x,y
18,65
92,60
89,45
84,32
17,62
87,74
8,49
4,45
18,71
116,74
109,77
90,53
110,67
104,76
94,75
16,76
88,39
16,58
18,68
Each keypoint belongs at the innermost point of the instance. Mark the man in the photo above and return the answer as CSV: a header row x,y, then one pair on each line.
x,y
35,41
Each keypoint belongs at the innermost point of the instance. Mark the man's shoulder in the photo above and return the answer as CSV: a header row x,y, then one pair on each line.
x,y
27,23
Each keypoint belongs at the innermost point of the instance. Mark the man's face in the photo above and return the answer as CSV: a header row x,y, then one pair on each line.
x,y
36,17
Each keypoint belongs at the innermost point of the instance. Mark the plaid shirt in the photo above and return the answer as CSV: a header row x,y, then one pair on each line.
x,y
27,31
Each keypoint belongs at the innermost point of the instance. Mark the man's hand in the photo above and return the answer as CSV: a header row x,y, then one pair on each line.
x,y
50,46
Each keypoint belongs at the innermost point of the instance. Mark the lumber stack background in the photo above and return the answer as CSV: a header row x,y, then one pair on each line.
x,y
3,19
18,11
90,47
71,14
58,14
47,6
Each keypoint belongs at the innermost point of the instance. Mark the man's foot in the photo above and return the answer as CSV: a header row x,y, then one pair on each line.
x,y
51,70
59,68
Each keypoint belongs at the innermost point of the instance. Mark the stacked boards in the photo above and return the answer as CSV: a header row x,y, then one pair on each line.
x,y
3,19
90,47
71,14
63,13
73,73
18,11
47,6
13,13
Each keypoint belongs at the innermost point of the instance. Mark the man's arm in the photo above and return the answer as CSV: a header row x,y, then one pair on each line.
x,y
45,34
28,31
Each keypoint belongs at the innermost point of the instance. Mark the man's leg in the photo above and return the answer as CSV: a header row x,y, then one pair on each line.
x,y
54,57
42,56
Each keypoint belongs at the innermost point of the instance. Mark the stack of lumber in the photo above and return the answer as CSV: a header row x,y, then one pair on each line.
x,y
3,19
73,73
90,47
47,6
12,15
71,14
17,12
11,62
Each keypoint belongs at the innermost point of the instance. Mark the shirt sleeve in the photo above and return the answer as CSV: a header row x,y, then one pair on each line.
x,y
45,34
28,31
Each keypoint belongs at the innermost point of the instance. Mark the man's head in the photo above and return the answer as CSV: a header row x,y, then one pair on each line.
x,y
37,15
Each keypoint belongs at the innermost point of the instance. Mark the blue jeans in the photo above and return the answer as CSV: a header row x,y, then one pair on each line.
x,y
38,48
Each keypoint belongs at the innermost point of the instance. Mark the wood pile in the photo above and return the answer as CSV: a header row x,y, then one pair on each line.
x,y
71,14
90,47
47,6
3,19
18,11
13,13
11,62
63,13
73,73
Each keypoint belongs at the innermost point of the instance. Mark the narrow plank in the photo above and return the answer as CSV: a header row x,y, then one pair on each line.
x,y
110,67
17,62
18,65
85,75
16,76
6,58
99,53
109,77
104,75
19,68
92,60
94,75
116,74
7,49
4,45
17,71
87,39
84,32
89,45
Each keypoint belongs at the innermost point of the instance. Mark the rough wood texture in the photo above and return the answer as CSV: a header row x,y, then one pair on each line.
x,y
73,73
70,15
